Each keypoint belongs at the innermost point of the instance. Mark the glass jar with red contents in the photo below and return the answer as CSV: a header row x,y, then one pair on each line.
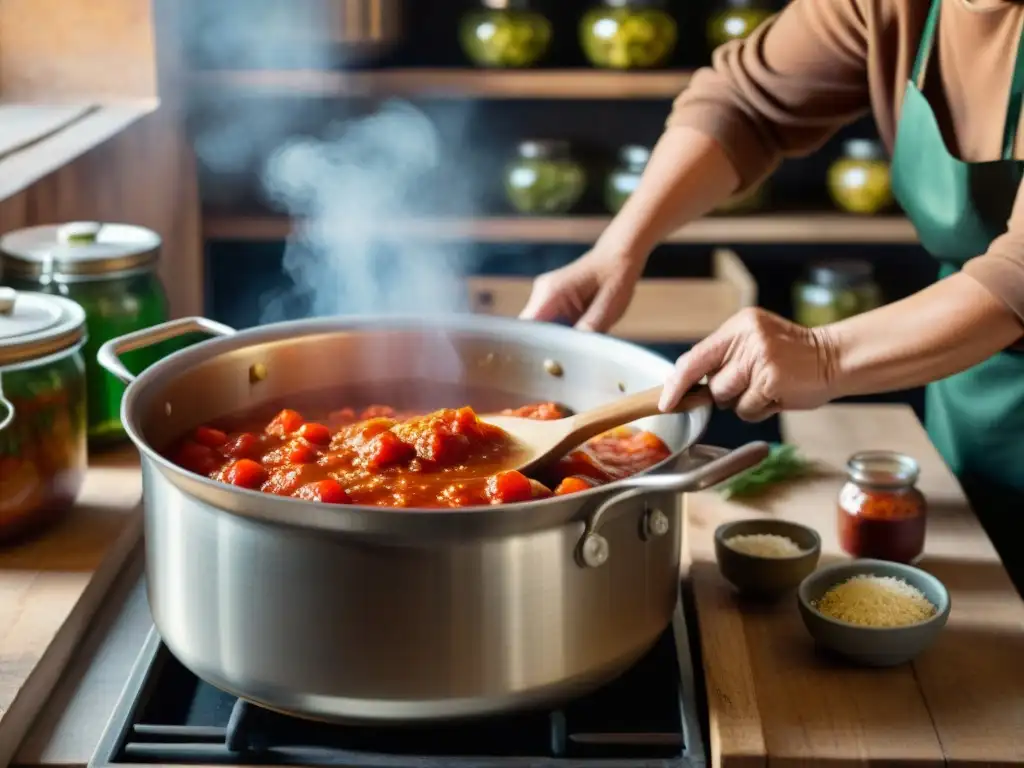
x,y
882,515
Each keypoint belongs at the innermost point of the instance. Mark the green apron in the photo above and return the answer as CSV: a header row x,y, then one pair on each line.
x,y
975,418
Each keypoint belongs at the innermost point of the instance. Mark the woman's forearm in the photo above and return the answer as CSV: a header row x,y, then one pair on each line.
x,y
944,329
687,176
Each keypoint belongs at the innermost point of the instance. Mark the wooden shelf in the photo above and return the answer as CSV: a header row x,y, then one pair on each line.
x,y
35,140
449,83
724,230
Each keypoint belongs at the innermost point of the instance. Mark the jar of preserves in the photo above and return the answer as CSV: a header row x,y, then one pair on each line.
x,y
736,19
625,177
505,33
628,34
858,181
835,290
42,409
108,269
544,178
882,514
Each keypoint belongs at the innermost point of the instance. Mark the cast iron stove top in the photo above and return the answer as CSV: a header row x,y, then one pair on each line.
x,y
647,718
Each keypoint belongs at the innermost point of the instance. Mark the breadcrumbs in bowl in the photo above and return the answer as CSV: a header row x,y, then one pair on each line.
x,y
875,601
873,612
766,556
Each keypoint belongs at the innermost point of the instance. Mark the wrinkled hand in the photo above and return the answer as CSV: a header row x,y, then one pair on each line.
x,y
592,292
758,364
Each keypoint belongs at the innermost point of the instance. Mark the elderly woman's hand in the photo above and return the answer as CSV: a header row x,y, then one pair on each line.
x,y
758,364
591,293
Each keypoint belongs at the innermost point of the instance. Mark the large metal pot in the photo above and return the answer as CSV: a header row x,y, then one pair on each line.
x,y
377,614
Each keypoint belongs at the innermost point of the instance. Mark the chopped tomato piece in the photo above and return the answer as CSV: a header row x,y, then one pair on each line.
x,y
245,446
538,412
197,458
210,437
286,422
315,433
574,484
387,450
302,453
465,421
327,491
509,487
245,473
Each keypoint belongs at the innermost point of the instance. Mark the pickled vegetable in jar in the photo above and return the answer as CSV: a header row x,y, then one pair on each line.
x,y
624,179
544,178
505,33
108,269
43,456
736,19
835,290
859,181
882,515
628,34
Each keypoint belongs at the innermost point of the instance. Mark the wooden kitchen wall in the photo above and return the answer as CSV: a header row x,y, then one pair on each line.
x,y
110,52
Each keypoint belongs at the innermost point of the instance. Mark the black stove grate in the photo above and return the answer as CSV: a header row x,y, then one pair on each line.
x,y
644,719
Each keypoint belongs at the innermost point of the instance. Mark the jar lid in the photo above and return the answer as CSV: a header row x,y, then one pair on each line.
x,y
81,250
863,149
884,469
635,155
34,325
840,273
544,149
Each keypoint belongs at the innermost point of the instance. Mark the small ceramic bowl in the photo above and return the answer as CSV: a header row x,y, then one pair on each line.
x,y
766,576
872,646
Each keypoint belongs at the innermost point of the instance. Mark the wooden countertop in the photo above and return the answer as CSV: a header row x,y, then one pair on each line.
x,y
52,585
772,698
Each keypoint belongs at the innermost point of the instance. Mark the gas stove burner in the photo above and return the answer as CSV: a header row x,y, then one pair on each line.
x,y
647,718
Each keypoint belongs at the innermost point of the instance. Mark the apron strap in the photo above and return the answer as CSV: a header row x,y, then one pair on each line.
x,y
1015,102
924,48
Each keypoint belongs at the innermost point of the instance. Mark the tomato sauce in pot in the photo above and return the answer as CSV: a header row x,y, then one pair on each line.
x,y
379,456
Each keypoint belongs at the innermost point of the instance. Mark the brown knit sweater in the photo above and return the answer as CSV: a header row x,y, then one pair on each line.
x,y
820,64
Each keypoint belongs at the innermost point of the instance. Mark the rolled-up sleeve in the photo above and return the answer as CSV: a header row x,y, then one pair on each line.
x,y
784,90
1001,268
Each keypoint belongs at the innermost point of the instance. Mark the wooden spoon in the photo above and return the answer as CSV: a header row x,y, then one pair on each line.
x,y
538,442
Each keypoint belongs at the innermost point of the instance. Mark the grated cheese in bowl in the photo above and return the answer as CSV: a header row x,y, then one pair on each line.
x,y
876,601
764,545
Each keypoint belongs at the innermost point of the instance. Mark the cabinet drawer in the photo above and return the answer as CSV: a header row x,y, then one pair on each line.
x,y
663,310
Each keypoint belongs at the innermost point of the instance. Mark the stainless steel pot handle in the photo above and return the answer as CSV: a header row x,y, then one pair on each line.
x,y
593,549
108,356
8,408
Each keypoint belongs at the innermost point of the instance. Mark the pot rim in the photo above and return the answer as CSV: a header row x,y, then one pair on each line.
x,y
302,514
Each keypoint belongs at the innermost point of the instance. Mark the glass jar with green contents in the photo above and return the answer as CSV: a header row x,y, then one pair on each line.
x,y
43,455
858,181
628,34
110,270
736,19
623,179
505,33
544,178
834,291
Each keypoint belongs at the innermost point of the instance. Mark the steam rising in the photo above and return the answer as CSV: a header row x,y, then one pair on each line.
x,y
349,193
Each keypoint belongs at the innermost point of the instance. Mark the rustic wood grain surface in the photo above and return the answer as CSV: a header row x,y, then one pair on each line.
x,y
774,699
51,586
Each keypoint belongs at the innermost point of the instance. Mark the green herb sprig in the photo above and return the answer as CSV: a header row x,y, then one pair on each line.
x,y
784,462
